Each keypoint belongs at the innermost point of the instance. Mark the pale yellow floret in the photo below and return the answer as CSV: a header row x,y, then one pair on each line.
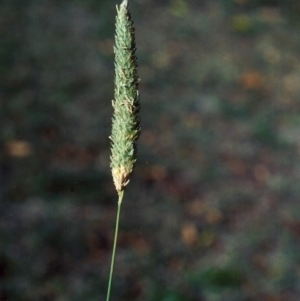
x,y
121,177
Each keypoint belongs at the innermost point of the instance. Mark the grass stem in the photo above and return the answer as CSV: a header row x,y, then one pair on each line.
x,y
121,194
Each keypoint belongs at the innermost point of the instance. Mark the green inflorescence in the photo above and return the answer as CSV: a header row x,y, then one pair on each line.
x,y
126,120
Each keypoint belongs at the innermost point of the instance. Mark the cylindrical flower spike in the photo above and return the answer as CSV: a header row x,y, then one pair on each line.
x,y
126,120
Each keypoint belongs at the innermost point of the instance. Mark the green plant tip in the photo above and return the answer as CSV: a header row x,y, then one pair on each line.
x,y
124,3
126,120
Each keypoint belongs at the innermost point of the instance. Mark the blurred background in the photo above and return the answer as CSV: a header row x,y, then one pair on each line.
x,y
212,211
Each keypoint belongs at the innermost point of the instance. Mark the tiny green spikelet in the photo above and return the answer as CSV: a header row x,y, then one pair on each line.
x,y
125,121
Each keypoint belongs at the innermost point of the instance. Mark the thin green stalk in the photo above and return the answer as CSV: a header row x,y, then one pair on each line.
x,y
115,246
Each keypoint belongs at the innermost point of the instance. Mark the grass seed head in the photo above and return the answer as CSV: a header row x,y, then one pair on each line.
x,y
126,120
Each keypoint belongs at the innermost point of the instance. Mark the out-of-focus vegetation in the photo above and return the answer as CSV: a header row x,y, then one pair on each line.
x,y
213,210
